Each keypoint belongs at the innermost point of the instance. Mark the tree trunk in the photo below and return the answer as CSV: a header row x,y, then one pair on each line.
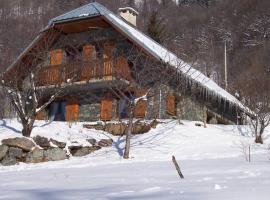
x,y
128,133
258,139
27,128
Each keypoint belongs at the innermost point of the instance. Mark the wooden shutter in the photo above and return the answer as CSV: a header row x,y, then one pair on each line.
x,y
72,111
107,57
56,59
106,109
123,69
141,106
88,69
171,104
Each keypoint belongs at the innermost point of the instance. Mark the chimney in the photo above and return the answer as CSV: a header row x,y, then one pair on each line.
x,y
129,14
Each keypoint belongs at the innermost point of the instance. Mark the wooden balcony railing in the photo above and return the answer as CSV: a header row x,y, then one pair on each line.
x,y
82,71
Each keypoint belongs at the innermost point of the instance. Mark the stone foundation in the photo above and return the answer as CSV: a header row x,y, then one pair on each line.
x,y
20,149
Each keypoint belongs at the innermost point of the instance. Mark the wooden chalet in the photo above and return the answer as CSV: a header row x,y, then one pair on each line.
x,y
101,39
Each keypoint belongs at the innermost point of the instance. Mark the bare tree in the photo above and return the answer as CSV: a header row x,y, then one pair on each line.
x,y
257,99
31,85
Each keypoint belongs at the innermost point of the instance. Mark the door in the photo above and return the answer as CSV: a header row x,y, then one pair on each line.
x,y
141,106
56,59
57,111
171,108
87,71
107,57
106,109
72,111
123,68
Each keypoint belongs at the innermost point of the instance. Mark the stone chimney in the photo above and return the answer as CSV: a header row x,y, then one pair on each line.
x,y
129,14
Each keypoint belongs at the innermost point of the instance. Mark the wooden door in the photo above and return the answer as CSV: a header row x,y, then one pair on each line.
x,y
107,58
72,111
88,56
123,69
171,108
141,106
106,110
56,59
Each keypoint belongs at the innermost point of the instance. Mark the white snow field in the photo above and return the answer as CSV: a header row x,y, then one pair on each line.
x,y
210,158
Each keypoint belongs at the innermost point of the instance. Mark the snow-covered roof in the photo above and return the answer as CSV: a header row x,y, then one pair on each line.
x,y
155,49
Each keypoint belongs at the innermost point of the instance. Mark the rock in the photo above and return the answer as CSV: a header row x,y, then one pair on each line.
x,y
15,152
92,141
154,123
140,128
83,151
105,142
36,156
3,151
42,141
198,124
22,143
54,154
99,127
61,145
116,129
7,161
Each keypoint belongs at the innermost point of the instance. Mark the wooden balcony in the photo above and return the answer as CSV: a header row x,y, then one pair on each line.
x,y
83,71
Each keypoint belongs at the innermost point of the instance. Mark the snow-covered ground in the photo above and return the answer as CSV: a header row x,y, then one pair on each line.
x,y
211,160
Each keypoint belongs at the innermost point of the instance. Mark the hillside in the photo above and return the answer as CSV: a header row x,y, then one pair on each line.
x,y
211,160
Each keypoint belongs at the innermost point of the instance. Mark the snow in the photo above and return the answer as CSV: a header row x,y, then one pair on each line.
x,y
83,15
210,158
170,58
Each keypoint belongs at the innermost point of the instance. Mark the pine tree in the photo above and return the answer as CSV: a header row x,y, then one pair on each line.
x,y
156,28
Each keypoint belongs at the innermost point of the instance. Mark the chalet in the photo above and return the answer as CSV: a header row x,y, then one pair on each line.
x,y
102,38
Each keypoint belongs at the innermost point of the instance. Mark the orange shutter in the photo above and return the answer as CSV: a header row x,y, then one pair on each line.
x,y
88,70
107,56
123,68
56,59
171,104
72,111
141,106
106,109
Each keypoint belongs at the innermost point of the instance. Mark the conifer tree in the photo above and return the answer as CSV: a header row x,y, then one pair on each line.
x,y
156,28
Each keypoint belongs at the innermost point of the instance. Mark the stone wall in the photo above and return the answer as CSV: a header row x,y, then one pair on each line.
x,y
89,112
186,107
189,109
